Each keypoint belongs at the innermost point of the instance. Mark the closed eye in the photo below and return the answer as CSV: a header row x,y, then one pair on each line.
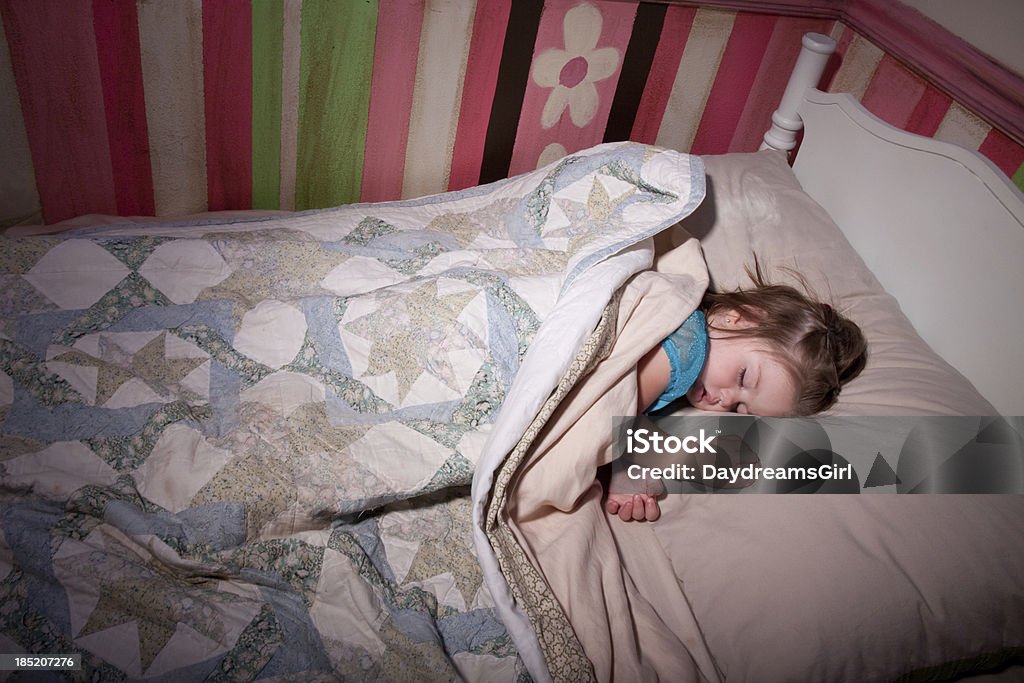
x,y
743,374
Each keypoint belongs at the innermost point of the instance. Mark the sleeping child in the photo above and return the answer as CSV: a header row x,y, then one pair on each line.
x,y
768,350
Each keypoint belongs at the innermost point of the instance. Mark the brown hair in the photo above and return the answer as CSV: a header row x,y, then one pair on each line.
x,y
821,348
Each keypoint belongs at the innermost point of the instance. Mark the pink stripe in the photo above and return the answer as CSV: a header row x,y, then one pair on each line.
x,y
772,76
736,73
478,91
981,84
227,91
660,79
893,93
929,112
53,55
394,78
1003,152
117,44
531,137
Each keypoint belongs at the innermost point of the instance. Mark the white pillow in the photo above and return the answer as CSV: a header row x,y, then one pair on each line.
x,y
755,205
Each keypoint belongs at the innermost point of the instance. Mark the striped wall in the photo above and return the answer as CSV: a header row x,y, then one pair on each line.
x,y
897,95
164,107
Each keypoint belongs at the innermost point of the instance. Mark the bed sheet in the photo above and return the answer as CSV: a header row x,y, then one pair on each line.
x,y
558,548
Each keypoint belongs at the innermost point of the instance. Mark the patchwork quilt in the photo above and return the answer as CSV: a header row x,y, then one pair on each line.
x,y
243,449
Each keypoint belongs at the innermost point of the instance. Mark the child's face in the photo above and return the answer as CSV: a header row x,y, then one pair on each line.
x,y
740,375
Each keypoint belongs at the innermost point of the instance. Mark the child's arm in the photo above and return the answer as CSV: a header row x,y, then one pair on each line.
x,y
629,499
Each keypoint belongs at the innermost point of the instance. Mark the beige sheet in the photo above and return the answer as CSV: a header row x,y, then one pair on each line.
x,y
610,578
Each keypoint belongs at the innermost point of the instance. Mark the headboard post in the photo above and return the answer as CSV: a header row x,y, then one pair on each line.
x,y
810,65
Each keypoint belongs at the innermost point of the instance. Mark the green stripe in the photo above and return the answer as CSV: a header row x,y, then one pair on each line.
x,y
267,49
1018,178
334,100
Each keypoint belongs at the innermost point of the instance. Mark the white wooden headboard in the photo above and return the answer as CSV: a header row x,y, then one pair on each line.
x,y
939,225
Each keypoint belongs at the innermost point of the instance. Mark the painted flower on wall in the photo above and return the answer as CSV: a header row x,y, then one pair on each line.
x,y
572,72
551,153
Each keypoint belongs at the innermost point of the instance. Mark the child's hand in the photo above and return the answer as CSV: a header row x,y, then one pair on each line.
x,y
633,500
639,507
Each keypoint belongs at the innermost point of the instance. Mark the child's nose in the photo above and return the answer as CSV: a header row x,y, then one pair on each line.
x,y
728,399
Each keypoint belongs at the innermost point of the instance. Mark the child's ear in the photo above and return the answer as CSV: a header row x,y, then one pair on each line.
x,y
731,319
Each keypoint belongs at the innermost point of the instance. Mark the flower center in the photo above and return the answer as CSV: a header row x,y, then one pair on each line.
x,y
573,73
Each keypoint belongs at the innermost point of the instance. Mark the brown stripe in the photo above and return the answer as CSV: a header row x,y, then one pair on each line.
x,y
513,75
636,65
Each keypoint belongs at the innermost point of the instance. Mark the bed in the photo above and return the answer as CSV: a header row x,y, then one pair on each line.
x,y
360,443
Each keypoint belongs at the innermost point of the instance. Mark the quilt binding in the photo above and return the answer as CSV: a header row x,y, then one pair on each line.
x,y
562,650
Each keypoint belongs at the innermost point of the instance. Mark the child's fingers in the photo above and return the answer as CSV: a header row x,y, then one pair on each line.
x,y
651,510
638,507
